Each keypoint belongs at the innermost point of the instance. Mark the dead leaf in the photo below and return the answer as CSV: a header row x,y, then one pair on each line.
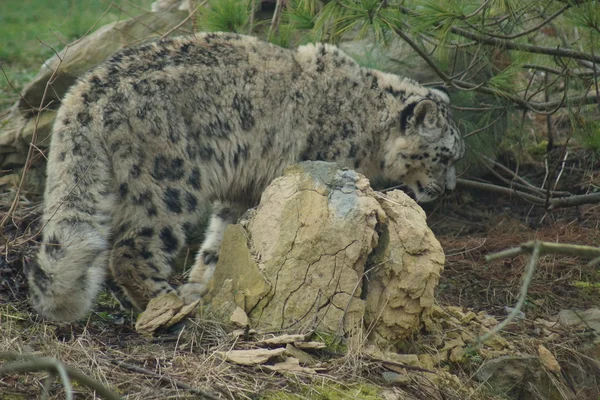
x,y
539,302
548,360
250,357
292,365
589,318
12,180
453,343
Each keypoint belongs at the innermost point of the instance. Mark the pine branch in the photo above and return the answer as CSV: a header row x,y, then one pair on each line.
x,y
511,45
537,107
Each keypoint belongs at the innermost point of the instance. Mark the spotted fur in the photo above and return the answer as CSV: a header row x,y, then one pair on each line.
x,y
143,140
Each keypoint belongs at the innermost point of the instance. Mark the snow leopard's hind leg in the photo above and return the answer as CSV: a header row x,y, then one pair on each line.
x,y
223,214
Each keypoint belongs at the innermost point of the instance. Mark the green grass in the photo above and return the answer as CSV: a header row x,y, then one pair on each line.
x,y
30,29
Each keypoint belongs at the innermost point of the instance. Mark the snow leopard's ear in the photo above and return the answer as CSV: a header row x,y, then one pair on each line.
x,y
425,120
421,116
425,114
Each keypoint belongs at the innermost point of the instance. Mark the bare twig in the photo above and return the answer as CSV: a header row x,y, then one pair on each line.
x,y
517,177
465,183
276,16
560,202
511,183
535,255
184,21
537,107
573,250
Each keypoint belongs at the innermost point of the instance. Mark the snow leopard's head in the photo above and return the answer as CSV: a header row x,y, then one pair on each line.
x,y
424,145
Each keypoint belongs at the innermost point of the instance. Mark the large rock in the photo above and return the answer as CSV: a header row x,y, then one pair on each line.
x,y
303,257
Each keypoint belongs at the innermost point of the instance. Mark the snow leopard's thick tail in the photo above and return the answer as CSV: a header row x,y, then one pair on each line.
x,y
71,264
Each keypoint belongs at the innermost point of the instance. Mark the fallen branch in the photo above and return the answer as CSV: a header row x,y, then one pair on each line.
x,y
535,255
515,177
29,363
560,202
574,250
536,249
469,184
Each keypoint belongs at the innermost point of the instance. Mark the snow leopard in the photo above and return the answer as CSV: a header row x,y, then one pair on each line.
x,y
146,138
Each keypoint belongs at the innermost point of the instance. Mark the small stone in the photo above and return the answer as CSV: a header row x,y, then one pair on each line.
x,y
239,317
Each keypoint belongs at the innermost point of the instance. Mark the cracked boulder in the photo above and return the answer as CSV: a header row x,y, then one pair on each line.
x,y
324,251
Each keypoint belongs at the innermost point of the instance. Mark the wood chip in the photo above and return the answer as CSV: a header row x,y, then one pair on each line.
x,y
291,365
185,311
160,310
310,345
242,332
250,357
283,339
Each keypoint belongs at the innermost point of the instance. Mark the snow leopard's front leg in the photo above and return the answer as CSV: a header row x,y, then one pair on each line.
x,y
223,214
